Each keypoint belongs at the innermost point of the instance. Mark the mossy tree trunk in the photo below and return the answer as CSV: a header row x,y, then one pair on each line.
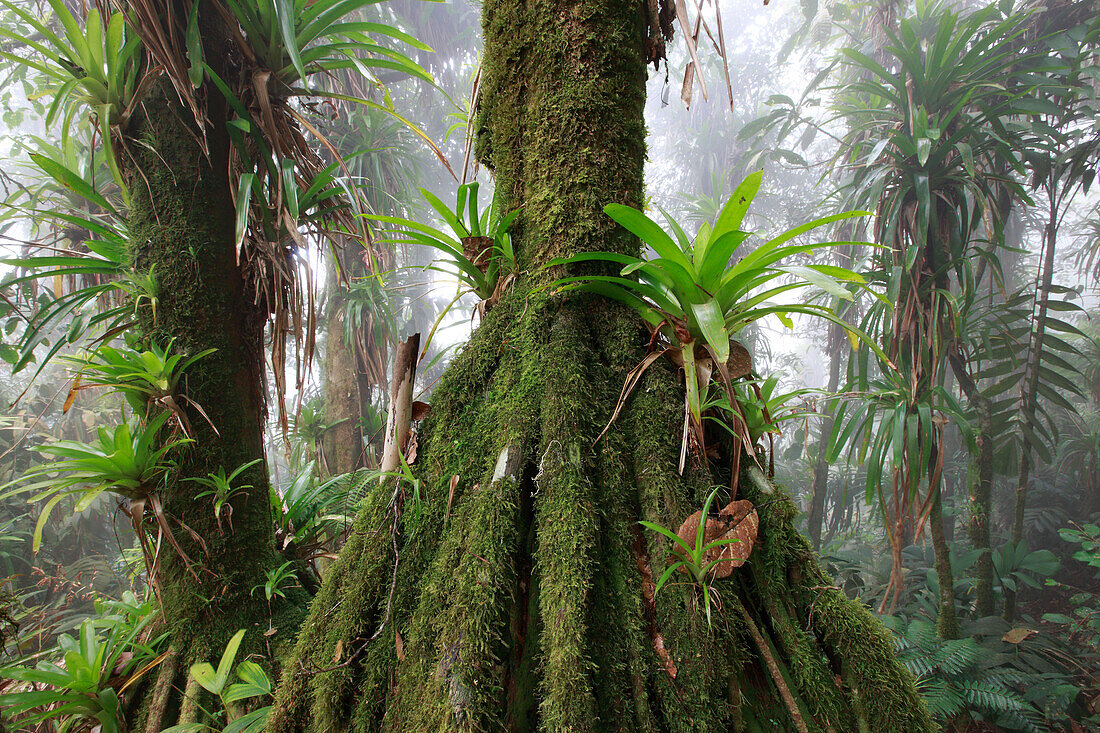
x,y
182,225
981,490
523,600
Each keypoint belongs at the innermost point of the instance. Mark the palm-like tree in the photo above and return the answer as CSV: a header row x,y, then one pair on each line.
x,y
928,128
217,144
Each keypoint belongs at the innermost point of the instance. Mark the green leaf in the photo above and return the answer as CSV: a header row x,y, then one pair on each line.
x,y
732,215
924,148
194,47
691,379
286,13
967,154
650,233
253,722
203,672
713,325
254,683
667,533
71,181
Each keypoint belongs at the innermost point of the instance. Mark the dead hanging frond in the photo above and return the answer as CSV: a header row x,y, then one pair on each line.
x,y
291,187
368,326
660,15
169,33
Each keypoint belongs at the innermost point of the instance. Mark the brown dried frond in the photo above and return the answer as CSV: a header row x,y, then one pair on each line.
x,y
162,27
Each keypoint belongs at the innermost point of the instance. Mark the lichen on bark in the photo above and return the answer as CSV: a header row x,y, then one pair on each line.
x,y
518,602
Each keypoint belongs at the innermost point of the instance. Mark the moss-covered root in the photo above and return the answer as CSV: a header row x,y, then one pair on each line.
x,y
518,601
785,661
839,661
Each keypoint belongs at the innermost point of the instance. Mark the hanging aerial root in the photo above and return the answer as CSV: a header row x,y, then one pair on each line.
x,y
162,691
764,648
815,683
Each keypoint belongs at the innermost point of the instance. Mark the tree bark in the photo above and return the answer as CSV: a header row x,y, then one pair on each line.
x,y
836,340
399,420
981,489
946,624
514,599
342,449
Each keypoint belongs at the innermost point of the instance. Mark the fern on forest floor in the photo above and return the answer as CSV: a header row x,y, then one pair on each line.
x,y
1017,687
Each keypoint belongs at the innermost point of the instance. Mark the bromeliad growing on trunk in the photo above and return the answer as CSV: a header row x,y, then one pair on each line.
x,y
480,250
134,461
696,302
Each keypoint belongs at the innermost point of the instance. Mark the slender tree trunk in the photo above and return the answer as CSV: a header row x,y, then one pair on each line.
x,y
981,496
835,341
516,597
949,479
1030,390
946,624
981,490
341,448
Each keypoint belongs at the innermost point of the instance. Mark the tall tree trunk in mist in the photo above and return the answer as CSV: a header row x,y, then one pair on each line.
x,y
341,447
980,488
183,232
946,623
981,498
836,341
522,598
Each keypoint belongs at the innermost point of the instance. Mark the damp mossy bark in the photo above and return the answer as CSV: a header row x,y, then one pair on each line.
x,y
182,226
516,601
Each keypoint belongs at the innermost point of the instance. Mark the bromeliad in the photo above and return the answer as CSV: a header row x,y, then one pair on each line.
x,y
696,301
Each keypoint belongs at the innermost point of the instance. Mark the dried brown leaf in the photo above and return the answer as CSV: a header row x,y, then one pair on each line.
x,y
1018,635
685,22
688,86
420,410
737,521
739,363
451,494
71,398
